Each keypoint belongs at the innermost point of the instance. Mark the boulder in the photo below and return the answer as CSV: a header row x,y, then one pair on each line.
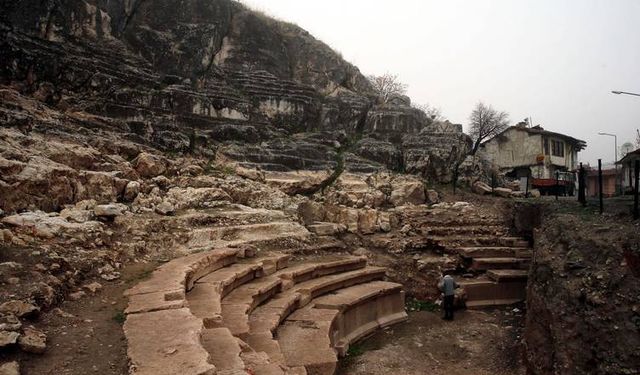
x,y
190,197
8,338
481,188
310,212
534,193
33,341
93,287
76,215
433,197
148,165
408,192
368,221
10,323
19,308
10,368
502,192
131,191
165,208
251,174
110,211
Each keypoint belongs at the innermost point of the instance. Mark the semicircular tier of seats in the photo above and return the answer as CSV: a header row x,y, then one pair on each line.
x,y
227,311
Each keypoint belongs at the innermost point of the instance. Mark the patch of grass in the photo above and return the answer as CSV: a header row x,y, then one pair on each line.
x,y
413,304
355,350
119,317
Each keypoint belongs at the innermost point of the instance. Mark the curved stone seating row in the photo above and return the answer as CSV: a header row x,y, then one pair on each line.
x,y
321,278
311,336
163,336
216,313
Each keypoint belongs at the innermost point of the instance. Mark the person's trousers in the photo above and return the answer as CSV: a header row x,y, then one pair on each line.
x,y
448,307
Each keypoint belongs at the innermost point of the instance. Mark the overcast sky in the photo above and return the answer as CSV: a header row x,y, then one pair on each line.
x,y
553,60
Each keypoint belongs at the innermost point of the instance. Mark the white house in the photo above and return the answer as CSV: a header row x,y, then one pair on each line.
x,y
521,151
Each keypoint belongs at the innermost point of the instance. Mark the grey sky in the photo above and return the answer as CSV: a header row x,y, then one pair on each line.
x,y
553,60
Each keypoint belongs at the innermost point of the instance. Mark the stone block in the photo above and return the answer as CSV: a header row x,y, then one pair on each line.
x,y
165,343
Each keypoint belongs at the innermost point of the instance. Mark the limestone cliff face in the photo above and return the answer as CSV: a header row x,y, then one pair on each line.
x,y
212,77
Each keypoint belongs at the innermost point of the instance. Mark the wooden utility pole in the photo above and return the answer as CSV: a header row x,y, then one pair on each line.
x,y
636,214
581,186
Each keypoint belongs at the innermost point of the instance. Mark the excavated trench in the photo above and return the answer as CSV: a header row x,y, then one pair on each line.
x,y
581,293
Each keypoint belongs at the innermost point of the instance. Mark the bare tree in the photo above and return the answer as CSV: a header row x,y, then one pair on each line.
x,y
435,114
638,138
486,122
387,86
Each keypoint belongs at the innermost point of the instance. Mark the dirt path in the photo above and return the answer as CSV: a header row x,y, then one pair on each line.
x,y
87,337
476,343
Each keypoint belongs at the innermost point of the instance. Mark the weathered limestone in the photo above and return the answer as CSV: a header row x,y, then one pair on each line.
x,y
338,320
218,301
10,368
241,234
166,342
224,349
33,341
18,308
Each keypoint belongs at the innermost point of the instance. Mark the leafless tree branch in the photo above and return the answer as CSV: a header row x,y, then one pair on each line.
x,y
486,122
387,86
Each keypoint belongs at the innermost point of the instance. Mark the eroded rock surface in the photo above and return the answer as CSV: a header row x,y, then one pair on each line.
x,y
583,306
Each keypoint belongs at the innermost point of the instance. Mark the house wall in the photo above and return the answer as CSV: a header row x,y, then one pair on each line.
x,y
519,148
514,148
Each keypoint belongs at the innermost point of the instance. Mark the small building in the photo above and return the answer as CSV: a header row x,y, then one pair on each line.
x,y
532,152
628,164
608,182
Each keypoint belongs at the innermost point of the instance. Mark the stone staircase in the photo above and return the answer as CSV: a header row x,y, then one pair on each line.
x,y
227,311
494,262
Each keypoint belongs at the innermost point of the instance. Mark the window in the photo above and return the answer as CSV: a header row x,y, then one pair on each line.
x,y
557,148
546,146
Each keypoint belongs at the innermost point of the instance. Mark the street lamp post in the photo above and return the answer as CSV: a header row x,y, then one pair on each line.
x,y
615,142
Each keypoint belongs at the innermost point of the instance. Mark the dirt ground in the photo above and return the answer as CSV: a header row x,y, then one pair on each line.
x,y
85,336
477,342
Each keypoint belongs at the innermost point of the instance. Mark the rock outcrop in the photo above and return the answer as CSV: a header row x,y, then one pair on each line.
x,y
202,77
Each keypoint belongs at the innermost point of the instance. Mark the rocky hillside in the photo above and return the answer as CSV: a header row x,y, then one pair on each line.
x,y
209,78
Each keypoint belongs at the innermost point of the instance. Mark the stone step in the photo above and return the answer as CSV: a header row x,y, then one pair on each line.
x,y
311,335
224,350
507,275
166,342
387,310
308,271
497,230
481,241
267,317
166,287
326,229
483,264
228,215
321,277
483,292
205,297
305,341
494,252
251,233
